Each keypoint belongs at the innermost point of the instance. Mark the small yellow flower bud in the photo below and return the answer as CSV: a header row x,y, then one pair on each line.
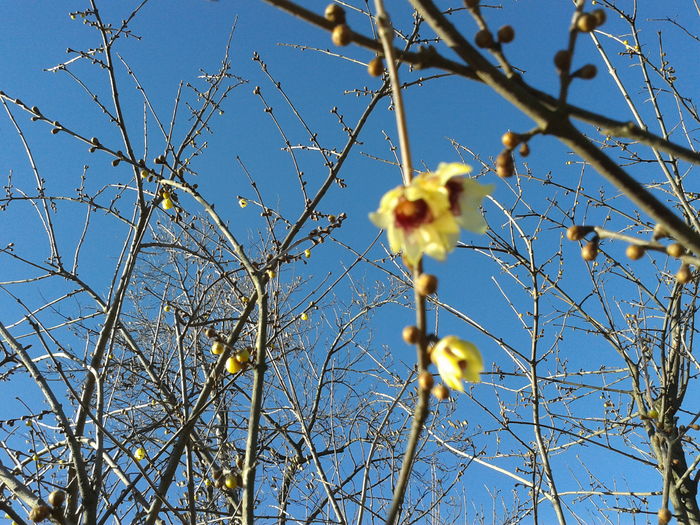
x,y
307,253
653,413
144,174
576,233
440,392
425,380
217,348
635,252
684,275
426,284
375,67
243,356
586,23
167,308
233,366
510,140
231,481
600,17
271,274
410,334
57,497
664,516
39,513
335,14
242,203
167,204
675,250
590,251
341,35
304,316
139,454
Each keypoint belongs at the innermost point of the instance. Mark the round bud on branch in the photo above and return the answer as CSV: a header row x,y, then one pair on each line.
x,y
425,380
684,275
440,392
675,250
375,67
590,251
586,23
410,334
504,164
426,284
510,139
341,35
635,252
57,498
506,34
587,72
39,513
600,17
335,14
562,60
484,39
524,149
664,516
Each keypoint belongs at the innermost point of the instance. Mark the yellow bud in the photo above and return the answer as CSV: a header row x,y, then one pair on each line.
x,y
271,274
233,366
307,253
304,316
139,454
217,348
242,203
243,356
231,481
167,204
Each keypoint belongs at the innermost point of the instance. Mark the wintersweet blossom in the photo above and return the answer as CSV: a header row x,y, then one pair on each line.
x,y
424,217
457,361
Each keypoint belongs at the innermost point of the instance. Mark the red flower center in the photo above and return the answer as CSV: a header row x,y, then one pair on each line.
x,y
411,214
454,190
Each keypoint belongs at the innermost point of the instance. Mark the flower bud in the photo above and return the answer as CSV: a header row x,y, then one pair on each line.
x,y
57,497
562,60
425,380
600,17
233,366
39,513
664,516
217,348
586,23
576,233
635,252
426,284
524,149
375,67
335,14
590,251
587,72
341,35
675,250
210,332
231,481
243,356
441,392
410,334
504,164
484,39
684,275
510,139
506,34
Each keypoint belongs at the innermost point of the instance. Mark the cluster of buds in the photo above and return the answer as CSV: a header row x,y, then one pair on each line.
x,y
167,200
228,481
485,40
236,362
634,251
505,167
341,35
587,22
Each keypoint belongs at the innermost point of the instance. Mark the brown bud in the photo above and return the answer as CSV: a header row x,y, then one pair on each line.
x,y
504,164
341,35
675,250
426,284
425,380
600,17
635,251
57,497
524,149
587,72
335,14
510,139
664,516
586,23
375,67
484,39
211,332
506,34
576,233
440,392
39,513
590,251
562,60
410,334
684,275
115,162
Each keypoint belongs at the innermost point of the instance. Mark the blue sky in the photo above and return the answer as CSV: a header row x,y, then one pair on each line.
x,y
178,41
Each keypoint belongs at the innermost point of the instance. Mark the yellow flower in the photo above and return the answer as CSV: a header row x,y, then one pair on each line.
x,y
167,204
424,217
457,360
